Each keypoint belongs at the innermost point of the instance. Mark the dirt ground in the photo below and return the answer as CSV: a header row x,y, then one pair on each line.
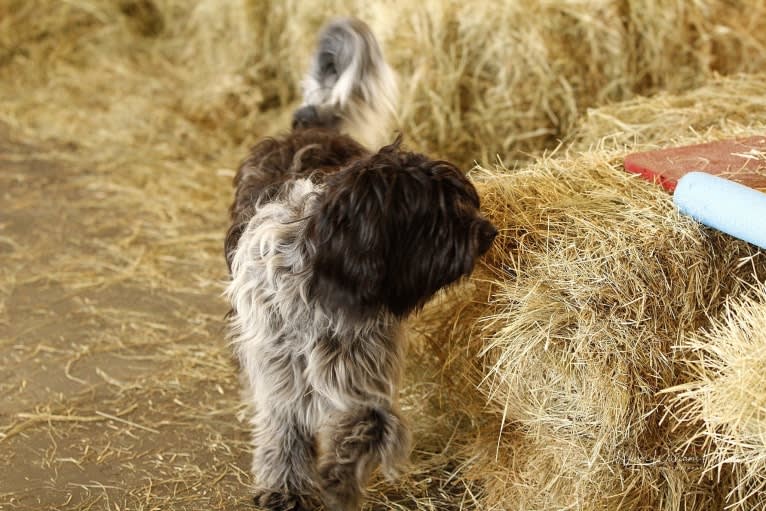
x,y
93,413
119,391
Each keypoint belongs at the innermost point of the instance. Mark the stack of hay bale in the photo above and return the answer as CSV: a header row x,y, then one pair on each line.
x,y
590,334
482,79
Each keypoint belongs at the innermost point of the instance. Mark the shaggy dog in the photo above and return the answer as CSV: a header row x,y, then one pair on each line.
x,y
331,246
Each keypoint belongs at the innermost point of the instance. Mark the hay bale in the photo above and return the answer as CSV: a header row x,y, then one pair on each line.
x,y
86,71
725,398
593,282
565,344
482,79
478,79
723,107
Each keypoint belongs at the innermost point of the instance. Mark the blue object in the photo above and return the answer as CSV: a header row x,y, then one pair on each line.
x,y
724,205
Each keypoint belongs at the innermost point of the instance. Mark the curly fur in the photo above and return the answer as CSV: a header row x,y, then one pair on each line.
x,y
331,246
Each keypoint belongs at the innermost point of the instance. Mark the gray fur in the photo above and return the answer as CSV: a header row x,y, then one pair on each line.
x,y
322,389
350,84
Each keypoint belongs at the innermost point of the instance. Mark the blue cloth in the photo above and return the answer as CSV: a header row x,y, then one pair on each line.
x,y
724,205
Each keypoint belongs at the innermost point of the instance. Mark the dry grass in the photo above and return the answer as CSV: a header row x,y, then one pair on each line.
x,y
725,398
575,333
723,107
479,79
592,285
536,385
482,79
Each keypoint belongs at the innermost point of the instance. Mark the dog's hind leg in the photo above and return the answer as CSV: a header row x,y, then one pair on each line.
x,y
283,462
351,445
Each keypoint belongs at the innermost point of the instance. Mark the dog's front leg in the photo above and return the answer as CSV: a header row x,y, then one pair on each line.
x,y
351,445
283,460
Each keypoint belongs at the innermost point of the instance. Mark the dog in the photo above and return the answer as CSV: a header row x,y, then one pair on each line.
x,y
332,244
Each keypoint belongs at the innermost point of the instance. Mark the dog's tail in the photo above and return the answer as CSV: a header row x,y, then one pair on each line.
x,y
349,85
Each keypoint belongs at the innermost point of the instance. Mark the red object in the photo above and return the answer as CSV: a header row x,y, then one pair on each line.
x,y
743,161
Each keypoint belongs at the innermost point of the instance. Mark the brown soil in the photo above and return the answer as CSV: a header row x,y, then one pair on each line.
x,y
108,398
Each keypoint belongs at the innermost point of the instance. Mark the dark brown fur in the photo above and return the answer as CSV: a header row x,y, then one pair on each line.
x,y
392,229
272,163
380,235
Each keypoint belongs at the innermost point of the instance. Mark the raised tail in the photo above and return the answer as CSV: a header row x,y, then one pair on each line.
x,y
349,85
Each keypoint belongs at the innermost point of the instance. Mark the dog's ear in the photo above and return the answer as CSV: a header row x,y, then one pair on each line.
x,y
391,230
349,266
442,247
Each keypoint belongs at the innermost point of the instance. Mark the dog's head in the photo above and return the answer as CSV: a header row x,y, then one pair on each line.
x,y
391,230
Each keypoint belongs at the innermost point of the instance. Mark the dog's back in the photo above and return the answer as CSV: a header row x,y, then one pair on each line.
x,y
275,162
349,97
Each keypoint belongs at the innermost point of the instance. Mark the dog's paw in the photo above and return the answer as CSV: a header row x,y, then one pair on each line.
x,y
278,501
340,489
